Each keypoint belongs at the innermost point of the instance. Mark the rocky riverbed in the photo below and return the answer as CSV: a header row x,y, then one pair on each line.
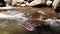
x,y
11,26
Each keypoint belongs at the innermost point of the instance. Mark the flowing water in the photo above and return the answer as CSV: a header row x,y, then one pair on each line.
x,y
11,24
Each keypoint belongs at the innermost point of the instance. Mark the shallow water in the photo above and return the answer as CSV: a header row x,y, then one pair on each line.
x,y
11,26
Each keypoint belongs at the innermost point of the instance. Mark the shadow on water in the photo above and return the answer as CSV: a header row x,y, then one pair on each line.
x,y
42,5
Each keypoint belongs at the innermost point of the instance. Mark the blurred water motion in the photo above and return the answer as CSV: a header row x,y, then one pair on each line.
x,y
9,23
12,26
